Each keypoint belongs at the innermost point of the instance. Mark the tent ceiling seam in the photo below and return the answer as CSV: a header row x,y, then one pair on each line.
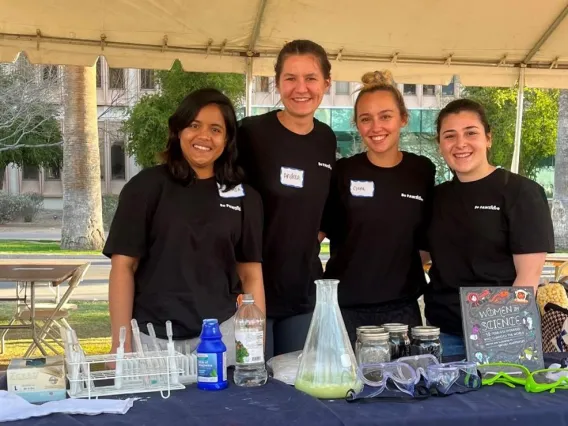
x,y
546,35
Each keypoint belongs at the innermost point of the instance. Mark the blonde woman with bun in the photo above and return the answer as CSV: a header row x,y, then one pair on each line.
x,y
376,214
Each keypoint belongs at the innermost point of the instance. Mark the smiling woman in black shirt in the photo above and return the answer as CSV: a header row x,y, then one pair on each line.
x,y
288,156
489,227
376,214
187,234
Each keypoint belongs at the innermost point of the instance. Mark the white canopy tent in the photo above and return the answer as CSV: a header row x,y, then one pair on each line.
x,y
486,43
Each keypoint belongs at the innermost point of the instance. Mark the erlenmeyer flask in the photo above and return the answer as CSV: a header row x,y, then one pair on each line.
x,y
328,369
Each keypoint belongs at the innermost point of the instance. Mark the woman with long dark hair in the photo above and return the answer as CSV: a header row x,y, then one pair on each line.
x,y
187,235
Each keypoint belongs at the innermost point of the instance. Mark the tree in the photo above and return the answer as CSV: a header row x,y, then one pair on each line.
x,y
82,210
29,107
540,118
560,202
147,126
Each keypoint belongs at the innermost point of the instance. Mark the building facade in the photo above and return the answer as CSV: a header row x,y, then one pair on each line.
x,y
119,89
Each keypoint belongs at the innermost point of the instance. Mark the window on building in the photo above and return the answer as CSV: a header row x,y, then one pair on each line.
x,y
30,172
428,89
147,80
52,173
118,161
341,87
50,73
99,73
262,84
409,89
449,90
116,78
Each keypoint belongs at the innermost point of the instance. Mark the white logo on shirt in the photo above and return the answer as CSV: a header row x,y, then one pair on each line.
x,y
327,166
292,177
237,191
230,206
492,207
362,188
414,197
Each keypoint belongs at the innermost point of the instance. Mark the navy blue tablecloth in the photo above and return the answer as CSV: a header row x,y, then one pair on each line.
x,y
279,404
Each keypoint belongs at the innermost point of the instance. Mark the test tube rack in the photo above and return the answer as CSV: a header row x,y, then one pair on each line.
x,y
92,376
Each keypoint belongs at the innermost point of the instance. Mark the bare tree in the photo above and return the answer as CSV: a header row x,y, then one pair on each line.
x,y
30,105
29,96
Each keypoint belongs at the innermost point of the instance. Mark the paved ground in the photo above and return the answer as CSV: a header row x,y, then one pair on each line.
x,y
30,233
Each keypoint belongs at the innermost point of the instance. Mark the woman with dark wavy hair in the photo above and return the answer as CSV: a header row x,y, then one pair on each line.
x,y
187,234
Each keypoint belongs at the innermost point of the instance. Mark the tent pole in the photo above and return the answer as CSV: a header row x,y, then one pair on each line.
x,y
519,122
248,85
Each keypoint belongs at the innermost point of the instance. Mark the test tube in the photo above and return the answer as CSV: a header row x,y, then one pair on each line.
x,y
119,358
172,353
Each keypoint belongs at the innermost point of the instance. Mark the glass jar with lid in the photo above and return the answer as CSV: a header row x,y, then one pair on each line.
x,y
373,348
399,340
426,340
366,329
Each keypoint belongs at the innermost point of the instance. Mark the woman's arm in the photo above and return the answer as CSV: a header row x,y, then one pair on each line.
x,y
251,278
121,298
529,269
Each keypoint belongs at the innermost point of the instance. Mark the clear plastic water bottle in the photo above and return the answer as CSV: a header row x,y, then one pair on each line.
x,y
249,344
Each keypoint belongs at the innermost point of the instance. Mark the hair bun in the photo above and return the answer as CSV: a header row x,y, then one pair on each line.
x,y
377,78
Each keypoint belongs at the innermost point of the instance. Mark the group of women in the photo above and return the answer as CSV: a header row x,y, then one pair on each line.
x,y
243,207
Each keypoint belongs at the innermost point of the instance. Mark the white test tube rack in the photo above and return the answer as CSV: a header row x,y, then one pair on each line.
x,y
90,377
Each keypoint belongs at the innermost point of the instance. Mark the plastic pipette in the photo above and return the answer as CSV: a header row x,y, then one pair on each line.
x,y
152,334
172,353
74,362
159,361
138,348
119,357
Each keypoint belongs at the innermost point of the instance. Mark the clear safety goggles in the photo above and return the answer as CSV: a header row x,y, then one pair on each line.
x,y
453,377
420,364
384,379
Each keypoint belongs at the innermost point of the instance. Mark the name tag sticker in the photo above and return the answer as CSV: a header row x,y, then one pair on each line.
x,y
362,188
236,192
292,177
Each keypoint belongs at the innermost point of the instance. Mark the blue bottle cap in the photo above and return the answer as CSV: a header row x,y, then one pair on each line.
x,y
210,329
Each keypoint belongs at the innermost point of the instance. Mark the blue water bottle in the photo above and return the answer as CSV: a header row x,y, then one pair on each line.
x,y
211,358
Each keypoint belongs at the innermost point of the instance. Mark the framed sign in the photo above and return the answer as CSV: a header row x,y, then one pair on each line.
x,y
502,324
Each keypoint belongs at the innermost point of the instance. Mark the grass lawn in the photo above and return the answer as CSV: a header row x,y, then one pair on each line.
x,y
91,321
37,247
52,247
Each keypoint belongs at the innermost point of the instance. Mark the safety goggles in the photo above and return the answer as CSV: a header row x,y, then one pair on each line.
x,y
547,380
384,379
420,364
506,373
452,377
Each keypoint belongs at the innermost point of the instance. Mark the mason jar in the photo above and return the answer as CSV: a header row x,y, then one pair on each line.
x,y
366,329
373,348
426,340
399,340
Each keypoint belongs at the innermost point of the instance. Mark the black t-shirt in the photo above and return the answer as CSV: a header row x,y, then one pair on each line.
x,y
292,173
188,240
375,219
475,230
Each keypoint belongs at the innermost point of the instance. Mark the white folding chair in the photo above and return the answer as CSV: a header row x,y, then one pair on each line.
x,y
48,316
